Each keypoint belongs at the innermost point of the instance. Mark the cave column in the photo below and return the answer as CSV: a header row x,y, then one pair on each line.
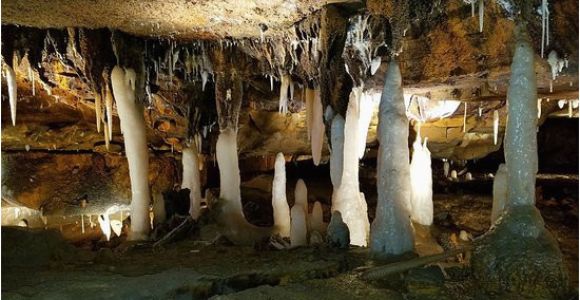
x,y
134,134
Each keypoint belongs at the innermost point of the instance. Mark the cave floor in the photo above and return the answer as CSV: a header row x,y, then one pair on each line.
x,y
195,269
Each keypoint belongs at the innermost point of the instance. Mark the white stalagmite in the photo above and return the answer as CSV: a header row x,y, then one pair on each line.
x,y
190,178
301,195
521,148
283,101
499,193
133,129
109,108
279,201
539,108
347,199
337,153
309,102
298,230
12,91
495,126
316,220
570,109
98,110
421,183
391,232
367,106
446,168
317,134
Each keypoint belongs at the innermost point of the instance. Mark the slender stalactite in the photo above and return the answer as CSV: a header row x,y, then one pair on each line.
x,y
133,129
391,232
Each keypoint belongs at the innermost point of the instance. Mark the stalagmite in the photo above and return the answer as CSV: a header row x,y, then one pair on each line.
x,y
421,183
570,109
283,101
316,218
298,230
301,195
495,126
337,153
191,178
499,193
12,91
317,134
391,232
109,108
82,224
98,111
539,108
497,261
309,102
279,201
446,168
453,175
133,129
347,199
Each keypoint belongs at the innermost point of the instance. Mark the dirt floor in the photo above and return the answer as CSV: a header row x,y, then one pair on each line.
x,y
198,269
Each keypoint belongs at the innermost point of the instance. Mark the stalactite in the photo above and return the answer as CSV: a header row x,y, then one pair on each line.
x,y
481,8
105,225
337,153
109,108
539,108
464,116
279,200
117,227
309,95
301,195
12,91
98,110
446,168
317,135
499,193
191,179
391,232
495,126
284,86
133,129
298,229
367,105
421,183
347,199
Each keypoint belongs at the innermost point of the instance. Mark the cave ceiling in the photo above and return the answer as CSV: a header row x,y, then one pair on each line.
x,y
443,56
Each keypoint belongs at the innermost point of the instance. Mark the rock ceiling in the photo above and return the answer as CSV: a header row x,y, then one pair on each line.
x,y
444,57
181,19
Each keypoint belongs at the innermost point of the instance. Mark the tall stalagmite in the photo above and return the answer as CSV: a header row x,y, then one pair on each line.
x,y
391,232
133,129
520,255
